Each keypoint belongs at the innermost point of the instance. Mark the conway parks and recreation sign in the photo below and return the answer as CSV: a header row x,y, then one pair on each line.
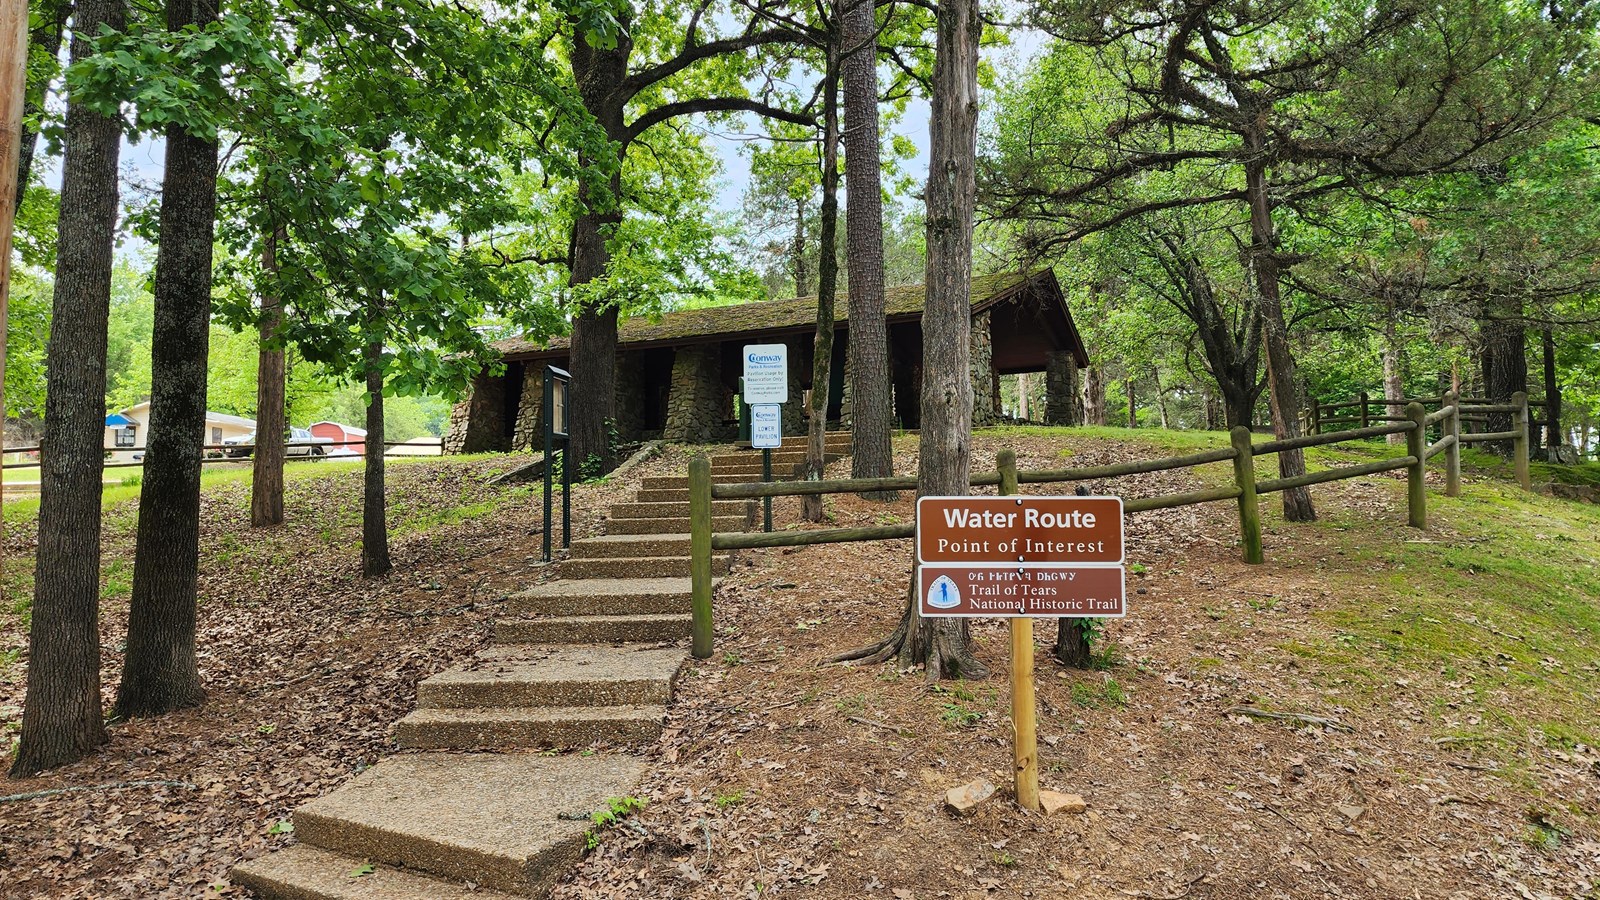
x,y
1020,556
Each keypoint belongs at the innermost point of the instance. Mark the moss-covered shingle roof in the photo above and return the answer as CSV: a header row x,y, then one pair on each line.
x,y
720,322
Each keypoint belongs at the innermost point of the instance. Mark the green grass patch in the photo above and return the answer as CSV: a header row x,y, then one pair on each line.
x,y
1498,609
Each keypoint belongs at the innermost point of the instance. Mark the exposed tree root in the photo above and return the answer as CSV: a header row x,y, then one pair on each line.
x,y
940,646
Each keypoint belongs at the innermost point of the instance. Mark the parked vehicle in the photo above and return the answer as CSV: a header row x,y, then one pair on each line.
x,y
300,443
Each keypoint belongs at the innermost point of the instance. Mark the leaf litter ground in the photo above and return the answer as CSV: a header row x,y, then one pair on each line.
x,y
780,776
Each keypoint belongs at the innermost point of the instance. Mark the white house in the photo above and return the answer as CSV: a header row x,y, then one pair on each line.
x,y
126,431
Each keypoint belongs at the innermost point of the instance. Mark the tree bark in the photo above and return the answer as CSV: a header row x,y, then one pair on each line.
x,y
52,24
1094,395
266,476
945,460
1281,378
374,513
827,284
1552,396
1133,406
872,413
1504,339
61,719
1393,371
797,252
599,74
160,672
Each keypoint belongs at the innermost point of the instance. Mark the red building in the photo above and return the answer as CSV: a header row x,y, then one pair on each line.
x,y
342,436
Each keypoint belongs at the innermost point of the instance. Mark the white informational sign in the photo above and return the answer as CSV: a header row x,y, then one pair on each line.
x,y
766,426
766,374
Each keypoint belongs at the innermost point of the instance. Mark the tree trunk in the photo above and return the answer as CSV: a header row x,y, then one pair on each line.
x,y
870,392
1552,395
1504,340
591,408
1238,404
827,285
1393,372
1281,378
1072,643
1022,396
52,23
944,463
1094,395
61,719
1133,406
266,477
802,269
374,514
160,673
1161,398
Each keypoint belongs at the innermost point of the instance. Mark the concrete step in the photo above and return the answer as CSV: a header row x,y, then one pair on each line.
x,y
614,545
663,510
681,482
834,441
753,457
521,728
512,822
674,525
603,596
648,629
572,675
663,495
638,567
303,872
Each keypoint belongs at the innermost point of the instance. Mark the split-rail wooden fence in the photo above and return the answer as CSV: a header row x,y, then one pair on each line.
x,y
1245,489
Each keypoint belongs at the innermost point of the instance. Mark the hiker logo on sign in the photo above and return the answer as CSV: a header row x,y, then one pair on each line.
x,y
943,594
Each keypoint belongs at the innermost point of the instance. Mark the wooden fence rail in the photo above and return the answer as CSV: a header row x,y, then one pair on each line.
x,y
438,451
1245,489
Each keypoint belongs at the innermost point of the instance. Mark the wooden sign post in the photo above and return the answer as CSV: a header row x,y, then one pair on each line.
x,y
1021,557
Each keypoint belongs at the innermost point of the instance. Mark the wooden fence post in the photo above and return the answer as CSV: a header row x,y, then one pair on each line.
x,y
1024,712
1366,410
1244,474
1416,473
1452,454
1316,416
700,552
1520,442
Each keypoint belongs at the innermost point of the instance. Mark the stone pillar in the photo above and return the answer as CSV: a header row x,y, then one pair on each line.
x,y
694,401
984,383
477,423
794,412
629,397
455,434
1060,388
844,398
529,432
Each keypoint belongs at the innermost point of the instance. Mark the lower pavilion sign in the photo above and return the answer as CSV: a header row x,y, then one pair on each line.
x,y
1029,591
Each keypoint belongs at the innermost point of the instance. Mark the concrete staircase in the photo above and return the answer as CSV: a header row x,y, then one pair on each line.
x,y
488,806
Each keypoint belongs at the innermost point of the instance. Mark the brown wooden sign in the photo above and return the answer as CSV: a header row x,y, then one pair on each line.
x,y
1031,591
1019,530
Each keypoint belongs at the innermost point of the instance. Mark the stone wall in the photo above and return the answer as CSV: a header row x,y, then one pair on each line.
x,y
529,433
476,423
844,397
985,384
1061,389
455,434
629,402
794,412
694,403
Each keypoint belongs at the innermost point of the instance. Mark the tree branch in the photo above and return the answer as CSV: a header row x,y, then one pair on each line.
x,y
712,105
